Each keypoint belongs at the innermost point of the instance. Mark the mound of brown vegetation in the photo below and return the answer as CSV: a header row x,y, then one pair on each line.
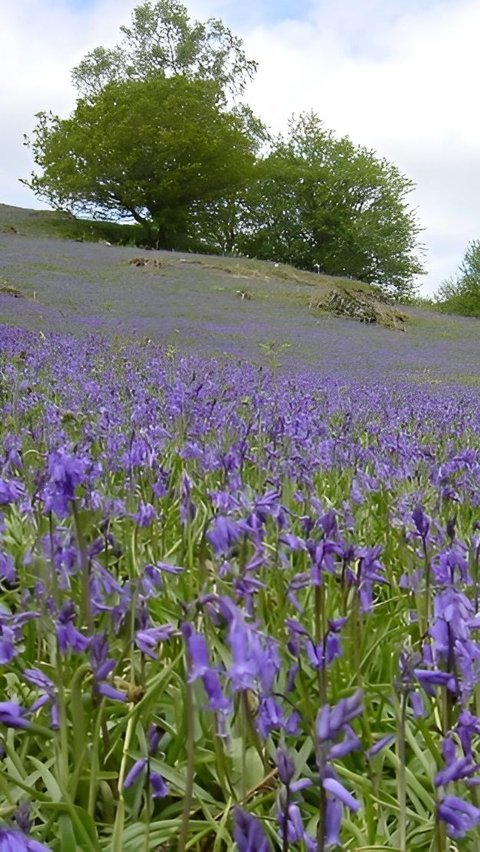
x,y
359,304
151,262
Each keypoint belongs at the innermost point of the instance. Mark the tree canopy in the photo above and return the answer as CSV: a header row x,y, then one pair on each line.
x,y
145,149
162,40
322,202
460,294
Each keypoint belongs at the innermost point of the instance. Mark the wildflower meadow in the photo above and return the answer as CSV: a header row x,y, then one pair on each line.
x,y
239,605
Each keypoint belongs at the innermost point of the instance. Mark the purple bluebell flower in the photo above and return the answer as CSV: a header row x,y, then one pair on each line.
x,y
7,644
331,720
10,491
456,768
417,704
255,657
370,571
154,735
22,816
66,473
199,667
12,840
7,569
271,717
379,745
187,506
224,534
102,667
333,821
338,791
145,515
285,766
199,662
460,816
152,579
12,715
422,522
294,542
48,696
216,699
148,639
248,833
323,555
138,768
69,638
159,788
468,726
294,824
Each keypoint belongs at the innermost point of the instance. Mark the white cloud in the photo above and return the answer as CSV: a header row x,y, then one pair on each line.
x,y
399,77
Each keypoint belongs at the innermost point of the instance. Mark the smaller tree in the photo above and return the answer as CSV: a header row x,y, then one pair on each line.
x,y
321,202
460,294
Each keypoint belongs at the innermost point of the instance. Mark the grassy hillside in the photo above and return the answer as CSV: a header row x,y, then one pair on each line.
x,y
52,223
51,279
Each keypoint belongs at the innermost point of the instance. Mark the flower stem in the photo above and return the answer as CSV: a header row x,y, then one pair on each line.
x,y
402,786
117,838
188,795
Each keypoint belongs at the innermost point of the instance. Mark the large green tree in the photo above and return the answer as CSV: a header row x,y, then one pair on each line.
x,y
460,294
144,149
323,203
152,134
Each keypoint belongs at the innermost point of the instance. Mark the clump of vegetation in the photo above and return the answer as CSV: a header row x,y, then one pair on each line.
x,y
8,289
359,304
148,262
461,293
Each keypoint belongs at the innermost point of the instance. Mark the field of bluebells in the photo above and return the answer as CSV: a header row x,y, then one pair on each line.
x,y
239,608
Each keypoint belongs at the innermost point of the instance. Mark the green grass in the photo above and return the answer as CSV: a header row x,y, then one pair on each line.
x,y
60,224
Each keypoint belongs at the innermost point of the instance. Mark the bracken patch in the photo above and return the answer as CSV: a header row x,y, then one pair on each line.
x,y
360,305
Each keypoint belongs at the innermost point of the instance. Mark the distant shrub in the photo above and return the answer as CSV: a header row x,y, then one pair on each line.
x,y
460,294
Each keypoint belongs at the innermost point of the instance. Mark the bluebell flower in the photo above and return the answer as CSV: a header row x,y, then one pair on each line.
x,y
333,822
468,727
271,717
7,569
248,833
459,816
102,667
69,638
48,696
12,840
199,667
11,491
331,720
456,768
338,791
157,787
224,534
7,644
148,639
66,473
12,715
422,522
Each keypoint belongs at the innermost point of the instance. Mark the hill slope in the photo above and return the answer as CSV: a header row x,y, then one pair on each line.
x,y
241,307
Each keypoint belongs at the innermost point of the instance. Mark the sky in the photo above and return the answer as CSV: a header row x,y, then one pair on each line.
x,y
397,76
